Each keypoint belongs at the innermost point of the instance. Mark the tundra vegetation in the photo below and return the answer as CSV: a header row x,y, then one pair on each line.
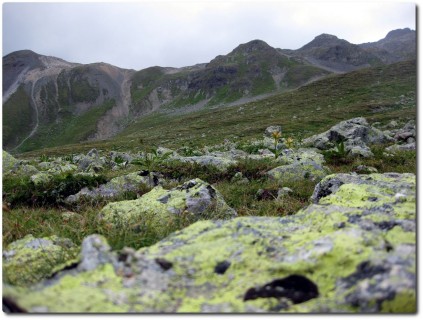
x,y
216,176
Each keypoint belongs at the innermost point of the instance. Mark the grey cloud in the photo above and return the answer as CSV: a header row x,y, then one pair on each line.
x,y
139,35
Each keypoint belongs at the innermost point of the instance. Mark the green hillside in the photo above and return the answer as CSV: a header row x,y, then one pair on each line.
x,y
374,93
18,118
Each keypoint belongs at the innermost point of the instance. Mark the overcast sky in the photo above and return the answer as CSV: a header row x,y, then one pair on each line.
x,y
181,33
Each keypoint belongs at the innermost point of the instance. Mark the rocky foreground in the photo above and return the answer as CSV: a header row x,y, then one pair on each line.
x,y
352,250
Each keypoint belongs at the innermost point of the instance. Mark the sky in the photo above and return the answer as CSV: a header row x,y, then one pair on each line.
x,y
137,35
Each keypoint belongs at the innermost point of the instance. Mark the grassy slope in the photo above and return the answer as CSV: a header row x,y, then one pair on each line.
x,y
71,129
17,111
373,93
363,93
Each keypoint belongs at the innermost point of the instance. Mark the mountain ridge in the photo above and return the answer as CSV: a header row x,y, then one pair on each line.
x,y
54,95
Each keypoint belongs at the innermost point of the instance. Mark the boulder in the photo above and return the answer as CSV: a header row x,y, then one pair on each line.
x,y
18,167
401,147
29,260
8,161
95,251
406,132
40,178
307,169
347,253
232,154
269,130
131,182
365,169
92,162
356,129
159,206
220,163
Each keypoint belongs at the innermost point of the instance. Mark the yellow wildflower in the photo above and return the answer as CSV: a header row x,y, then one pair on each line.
x,y
276,134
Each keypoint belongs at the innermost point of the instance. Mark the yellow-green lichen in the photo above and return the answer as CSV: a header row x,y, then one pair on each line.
x,y
99,291
397,235
29,260
403,302
340,246
159,205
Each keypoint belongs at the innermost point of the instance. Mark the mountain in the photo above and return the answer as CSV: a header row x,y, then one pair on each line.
x,y
251,69
50,102
398,45
47,100
338,55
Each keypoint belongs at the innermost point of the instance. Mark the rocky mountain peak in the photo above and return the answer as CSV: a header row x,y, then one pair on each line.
x,y
252,46
399,33
324,40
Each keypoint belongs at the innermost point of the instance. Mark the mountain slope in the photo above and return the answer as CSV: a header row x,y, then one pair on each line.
x,y
251,69
50,102
61,102
398,45
380,94
338,55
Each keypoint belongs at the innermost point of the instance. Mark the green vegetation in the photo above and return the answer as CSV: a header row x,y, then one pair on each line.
x,y
75,87
18,191
71,129
336,155
373,93
40,210
18,118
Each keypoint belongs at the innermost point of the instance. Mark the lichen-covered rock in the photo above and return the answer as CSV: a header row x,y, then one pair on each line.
x,y
232,154
40,178
219,162
365,169
118,186
92,162
373,189
269,130
408,131
29,260
18,167
8,162
401,147
158,206
296,171
57,166
95,251
357,148
346,253
356,129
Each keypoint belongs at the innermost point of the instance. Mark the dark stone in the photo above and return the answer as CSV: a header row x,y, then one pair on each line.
x,y
354,218
364,271
340,225
155,180
386,225
296,288
163,263
10,306
267,194
189,185
164,199
212,192
221,267
326,188
144,173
